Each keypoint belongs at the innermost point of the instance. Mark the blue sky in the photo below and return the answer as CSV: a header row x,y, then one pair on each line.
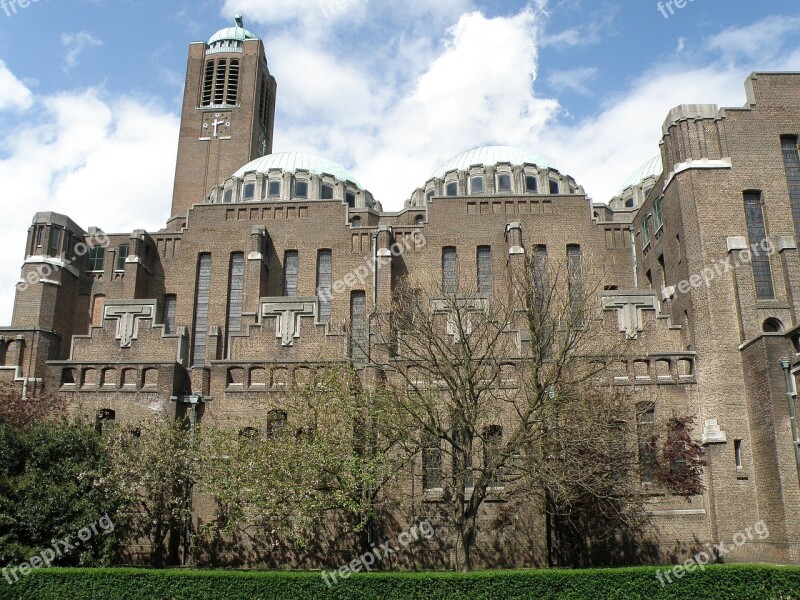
x,y
92,88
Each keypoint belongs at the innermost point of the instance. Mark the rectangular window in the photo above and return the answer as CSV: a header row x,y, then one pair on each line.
x,y
492,444
504,183
657,218
122,256
462,457
324,283
290,269
327,192
39,236
485,270
737,450
55,240
358,326
274,189
530,184
249,191
350,198
554,189
791,162
451,189
645,430
170,312
202,296
431,462
235,294
756,231
97,259
301,189
575,277
449,270
645,231
476,185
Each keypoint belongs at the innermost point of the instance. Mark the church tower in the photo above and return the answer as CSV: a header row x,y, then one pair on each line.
x,y
228,114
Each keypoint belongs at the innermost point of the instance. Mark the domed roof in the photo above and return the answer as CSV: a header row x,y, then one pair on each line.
x,y
652,168
296,161
491,155
234,34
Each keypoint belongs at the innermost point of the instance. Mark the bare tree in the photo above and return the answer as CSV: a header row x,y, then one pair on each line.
x,y
495,386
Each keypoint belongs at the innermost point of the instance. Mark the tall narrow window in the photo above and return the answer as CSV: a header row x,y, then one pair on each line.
x,y
663,268
235,294
202,296
575,277
55,240
485,270
756,230
262,110
554,188
219,87
658,220
350,197
208,83
324,283
290,269
358,326
646,231
122,256
170,312
233,82
791,161
431,462
645,430
39,236
449,270
97,259
737,451
492,443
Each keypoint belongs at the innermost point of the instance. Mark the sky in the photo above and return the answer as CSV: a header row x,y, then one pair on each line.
x,y
90,90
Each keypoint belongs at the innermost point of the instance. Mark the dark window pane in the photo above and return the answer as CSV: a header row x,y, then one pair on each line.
x,y
431,462
452,188
170,310
449,271
756,230
324,283
228,197
476,185
301,189
97,258
290,268
504,183
274,189
202,297
358,325
530,184
351,199
485,270
249,191
554,189
122,255
327,192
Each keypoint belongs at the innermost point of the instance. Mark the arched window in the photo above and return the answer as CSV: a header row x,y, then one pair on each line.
x,y
419,221
630,203
355,222
772,325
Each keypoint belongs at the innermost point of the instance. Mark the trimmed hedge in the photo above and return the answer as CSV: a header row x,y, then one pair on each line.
x,y
717,581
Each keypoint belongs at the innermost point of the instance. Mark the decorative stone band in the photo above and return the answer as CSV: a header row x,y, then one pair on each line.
x,y
703,163
288,313
127,315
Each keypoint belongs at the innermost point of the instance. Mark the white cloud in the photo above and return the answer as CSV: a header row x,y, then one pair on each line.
x,y
576,80
760,41
75,44
102,161
15,93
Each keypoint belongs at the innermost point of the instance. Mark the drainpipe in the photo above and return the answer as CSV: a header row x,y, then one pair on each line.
x,y
786,365
635,259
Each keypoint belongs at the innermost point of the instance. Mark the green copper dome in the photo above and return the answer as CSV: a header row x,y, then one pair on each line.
x,y
491,155
232,34
297,161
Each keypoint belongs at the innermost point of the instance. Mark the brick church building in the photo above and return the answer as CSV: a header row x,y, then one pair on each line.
x,y
248,288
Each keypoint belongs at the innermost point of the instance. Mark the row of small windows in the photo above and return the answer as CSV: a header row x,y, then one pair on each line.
x,y
503,184
300,190
221,82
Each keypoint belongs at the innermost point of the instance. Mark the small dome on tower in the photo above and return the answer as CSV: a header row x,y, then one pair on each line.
x,y
231,36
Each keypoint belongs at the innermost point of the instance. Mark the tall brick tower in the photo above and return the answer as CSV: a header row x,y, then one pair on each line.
x,y
228,114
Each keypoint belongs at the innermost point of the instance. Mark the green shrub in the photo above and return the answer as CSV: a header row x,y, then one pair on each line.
x,y
720,581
